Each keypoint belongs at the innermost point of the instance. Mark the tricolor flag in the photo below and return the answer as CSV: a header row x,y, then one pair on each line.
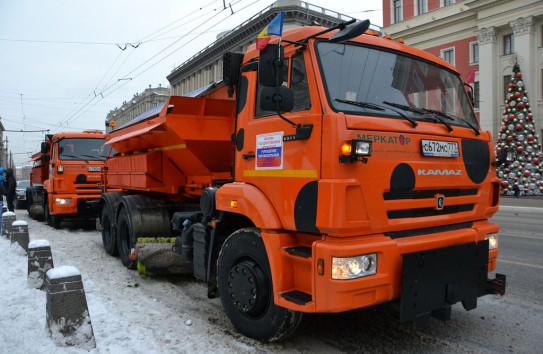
x,y
470,77
275,27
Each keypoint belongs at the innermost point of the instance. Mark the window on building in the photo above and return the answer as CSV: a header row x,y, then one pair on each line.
x,y
422,6
397,6
474,52
448,2
506,82
448,55
476,96
508,44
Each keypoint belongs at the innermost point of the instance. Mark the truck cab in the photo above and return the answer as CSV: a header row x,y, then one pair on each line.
x,y
70,167
366,161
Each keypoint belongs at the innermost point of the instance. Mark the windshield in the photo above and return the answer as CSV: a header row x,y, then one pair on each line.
x,y
82,149
358,79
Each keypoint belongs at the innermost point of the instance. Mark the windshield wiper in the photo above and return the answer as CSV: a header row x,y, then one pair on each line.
x,y
421,111
378,108
93,157
404,107
453,117
360,104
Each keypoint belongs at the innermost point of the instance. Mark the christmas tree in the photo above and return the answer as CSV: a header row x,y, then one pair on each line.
x,y
521,173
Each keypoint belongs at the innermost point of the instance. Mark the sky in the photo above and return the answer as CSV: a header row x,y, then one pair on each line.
x,y
65,64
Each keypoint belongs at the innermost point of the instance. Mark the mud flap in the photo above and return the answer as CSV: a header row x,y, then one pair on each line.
x,y
434,280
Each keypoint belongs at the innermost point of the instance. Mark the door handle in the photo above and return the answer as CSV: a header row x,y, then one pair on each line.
x,y
248,156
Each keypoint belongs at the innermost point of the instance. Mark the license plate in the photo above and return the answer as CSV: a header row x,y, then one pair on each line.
x,y
440,148
94,169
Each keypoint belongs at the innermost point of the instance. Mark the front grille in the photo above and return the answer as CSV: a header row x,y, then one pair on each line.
x,y
423,212
425,203
400,195
92,188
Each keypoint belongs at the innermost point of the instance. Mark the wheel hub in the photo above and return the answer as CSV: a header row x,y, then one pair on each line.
x,y
248,288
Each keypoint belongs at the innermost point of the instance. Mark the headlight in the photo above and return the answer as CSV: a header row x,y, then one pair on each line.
x,y
354,267
60,169
492,241
63,201
355,150
362,148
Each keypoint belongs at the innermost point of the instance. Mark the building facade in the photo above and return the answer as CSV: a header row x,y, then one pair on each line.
x,y
141,102
483,39
205,67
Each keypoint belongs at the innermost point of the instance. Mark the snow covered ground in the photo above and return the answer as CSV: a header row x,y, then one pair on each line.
x,y
129,313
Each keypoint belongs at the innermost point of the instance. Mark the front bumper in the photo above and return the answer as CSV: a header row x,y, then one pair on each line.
x,y
80,207
426,272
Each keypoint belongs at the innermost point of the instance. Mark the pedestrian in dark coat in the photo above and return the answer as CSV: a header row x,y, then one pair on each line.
x,y
10,185
3,192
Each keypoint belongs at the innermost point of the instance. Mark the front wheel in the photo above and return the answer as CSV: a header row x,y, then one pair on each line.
x,y
48,217
246,291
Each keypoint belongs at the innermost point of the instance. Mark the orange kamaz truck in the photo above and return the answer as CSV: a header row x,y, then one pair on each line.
x,y
346,170
66,177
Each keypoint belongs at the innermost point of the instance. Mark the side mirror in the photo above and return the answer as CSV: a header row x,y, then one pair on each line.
x,y
470,93
44,148
271,66
231,65
350,32
278,99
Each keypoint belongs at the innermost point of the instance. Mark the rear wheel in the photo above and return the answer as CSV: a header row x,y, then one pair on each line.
x,y
126,239
246,291
108,233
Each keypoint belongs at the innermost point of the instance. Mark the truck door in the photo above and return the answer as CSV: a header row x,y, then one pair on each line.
x,y
269,154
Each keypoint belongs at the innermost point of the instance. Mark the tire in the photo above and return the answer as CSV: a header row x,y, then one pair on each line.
x,y
56,221
126,240
52,220
108,233
28,203
47,216
246,291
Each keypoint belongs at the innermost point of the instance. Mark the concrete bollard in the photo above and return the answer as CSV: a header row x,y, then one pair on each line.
x,y
7,219
68,316
19,233
40,260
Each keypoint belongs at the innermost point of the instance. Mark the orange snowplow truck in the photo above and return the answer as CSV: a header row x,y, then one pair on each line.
x,y
349,171
66,177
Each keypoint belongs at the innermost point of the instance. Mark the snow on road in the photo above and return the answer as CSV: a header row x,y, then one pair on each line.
x,y
129,313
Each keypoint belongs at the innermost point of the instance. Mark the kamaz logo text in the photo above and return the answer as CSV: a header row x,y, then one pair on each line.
x,y
440,172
